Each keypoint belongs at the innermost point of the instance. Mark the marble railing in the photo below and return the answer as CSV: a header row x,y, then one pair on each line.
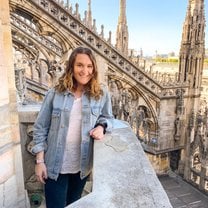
x,y
123,176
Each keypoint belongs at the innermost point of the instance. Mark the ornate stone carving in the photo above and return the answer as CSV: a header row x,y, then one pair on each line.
x,y
143,124
177,128
31,183
180,101
126,104
115,99
20,81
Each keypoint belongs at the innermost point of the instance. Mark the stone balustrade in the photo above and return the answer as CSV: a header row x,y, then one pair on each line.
x,y
123,176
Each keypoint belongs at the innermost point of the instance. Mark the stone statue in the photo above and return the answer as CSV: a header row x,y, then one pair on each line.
x,y
115,99
140,117
200,123
142,124
20,82
177,128
126,105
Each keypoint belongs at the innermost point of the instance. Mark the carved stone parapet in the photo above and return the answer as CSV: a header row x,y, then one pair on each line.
x,y
16,21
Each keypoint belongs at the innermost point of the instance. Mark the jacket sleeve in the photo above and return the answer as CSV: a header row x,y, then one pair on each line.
x,y
42,123
106,116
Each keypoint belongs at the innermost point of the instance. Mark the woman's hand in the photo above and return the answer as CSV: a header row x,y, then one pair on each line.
x,y
41,172
97,133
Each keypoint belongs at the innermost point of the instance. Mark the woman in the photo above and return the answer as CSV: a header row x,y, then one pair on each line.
x,y
73,113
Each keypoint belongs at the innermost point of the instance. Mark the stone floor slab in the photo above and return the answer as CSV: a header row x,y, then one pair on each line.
x,y
183,194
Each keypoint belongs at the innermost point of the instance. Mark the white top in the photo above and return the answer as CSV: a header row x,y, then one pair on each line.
x,y
71,160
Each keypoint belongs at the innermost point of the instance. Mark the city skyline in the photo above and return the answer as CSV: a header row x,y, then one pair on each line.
x,y
153,26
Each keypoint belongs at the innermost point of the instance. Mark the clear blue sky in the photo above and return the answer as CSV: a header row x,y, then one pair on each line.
x,y
153,25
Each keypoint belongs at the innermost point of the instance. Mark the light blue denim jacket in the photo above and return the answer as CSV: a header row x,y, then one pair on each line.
x,y
51,126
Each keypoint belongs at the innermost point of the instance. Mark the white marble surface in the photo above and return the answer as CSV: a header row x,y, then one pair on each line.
x,y
123,176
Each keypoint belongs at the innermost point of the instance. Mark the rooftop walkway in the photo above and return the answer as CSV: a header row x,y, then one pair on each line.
x,y
181,194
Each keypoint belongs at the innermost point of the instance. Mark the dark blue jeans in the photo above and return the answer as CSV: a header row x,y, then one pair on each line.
x,y
66,190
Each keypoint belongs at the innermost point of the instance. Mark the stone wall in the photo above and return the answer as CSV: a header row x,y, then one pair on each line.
x,y
27,117
12,192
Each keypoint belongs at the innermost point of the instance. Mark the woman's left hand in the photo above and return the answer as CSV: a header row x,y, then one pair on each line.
x,y
97,133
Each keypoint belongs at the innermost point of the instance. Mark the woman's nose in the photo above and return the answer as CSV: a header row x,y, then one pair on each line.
x,y
85,70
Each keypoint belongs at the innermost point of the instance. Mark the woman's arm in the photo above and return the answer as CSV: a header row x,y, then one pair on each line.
x,y
105,120
40,167
40,134
42,123
106,117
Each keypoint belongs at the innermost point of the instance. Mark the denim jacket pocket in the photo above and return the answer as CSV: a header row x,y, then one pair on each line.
x,y
55,119
95,113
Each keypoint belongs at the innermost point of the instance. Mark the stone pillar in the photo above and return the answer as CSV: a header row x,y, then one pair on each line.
x,y
202,176
12,192
102,68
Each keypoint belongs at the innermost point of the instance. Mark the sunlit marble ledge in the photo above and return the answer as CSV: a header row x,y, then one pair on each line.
x,y
122,175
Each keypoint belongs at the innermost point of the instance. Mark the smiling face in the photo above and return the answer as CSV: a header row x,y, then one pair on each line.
x,y
83,70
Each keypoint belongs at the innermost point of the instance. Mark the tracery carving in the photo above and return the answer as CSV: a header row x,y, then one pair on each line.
x,y
191,121
56,69
126,107
36,69
180,101
20,82
197,161
199,145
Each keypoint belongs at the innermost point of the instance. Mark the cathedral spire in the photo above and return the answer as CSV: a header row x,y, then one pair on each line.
x,y
193,45
89,14
122,36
